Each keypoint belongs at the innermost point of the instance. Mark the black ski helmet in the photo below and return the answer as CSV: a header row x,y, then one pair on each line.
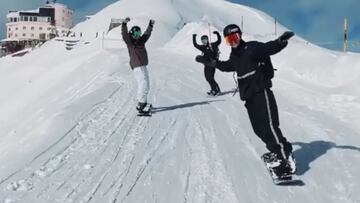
x,y
205,40
134,30
204,37
231,29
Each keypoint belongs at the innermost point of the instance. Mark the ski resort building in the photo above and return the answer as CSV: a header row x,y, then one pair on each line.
x,y
28,28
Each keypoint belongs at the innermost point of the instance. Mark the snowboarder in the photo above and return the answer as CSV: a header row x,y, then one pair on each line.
x,y
252,63
210,51
135,42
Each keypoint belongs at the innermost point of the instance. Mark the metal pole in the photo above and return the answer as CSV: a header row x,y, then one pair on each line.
x,y
209,32
103,39
345,34
242,23
275,26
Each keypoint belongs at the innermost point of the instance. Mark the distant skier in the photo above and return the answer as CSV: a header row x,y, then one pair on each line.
x,y
210,51
135,42
252,63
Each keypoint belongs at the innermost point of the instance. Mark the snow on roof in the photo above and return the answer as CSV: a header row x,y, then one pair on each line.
x,y
9,40
52,5
31,11
13,14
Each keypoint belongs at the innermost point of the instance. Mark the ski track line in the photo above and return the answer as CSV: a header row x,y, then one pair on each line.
x,y
211,123
106,138
133,130
61,151
137,132
147,160
52,158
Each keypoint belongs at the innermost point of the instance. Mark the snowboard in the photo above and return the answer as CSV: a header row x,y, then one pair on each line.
x,y
146,111
285,180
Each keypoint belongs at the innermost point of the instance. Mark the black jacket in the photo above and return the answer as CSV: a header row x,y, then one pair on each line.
x,y
137,51
252,63
209,52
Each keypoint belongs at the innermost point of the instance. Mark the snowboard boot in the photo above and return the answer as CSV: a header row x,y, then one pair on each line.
x,y
292,163
141,106
214,93
278,166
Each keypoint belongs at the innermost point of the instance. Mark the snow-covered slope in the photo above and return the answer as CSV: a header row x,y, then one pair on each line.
x,y
69,130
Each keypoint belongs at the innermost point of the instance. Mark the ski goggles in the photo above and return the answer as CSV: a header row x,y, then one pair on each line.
x,y
136,34
233,39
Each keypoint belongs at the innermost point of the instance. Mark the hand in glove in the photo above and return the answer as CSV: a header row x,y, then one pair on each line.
x,y
286,36
212,63
201,59
151,22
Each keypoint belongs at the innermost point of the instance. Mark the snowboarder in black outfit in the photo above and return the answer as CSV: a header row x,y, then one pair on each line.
x,y
252,63
210,51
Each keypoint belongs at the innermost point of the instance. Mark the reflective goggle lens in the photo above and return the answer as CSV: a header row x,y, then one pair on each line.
x,y
137,33
232,39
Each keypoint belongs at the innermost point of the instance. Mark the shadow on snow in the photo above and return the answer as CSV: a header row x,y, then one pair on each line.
x,y
309,152
182,106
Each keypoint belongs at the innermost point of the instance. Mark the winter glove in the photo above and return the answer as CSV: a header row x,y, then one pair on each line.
x,y
201,59
151,22
285,37
212,63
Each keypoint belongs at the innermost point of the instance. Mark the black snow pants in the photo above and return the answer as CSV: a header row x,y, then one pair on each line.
x,y
264,117
209,73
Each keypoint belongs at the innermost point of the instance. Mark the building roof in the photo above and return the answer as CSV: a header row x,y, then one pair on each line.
x,y
14,14
52,5
9,40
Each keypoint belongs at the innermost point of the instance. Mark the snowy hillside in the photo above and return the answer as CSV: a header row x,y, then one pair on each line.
x,y
69,130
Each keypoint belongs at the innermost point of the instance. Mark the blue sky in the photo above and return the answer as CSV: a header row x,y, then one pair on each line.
x,y
319,21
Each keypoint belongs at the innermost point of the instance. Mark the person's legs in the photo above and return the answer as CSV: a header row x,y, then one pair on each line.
x,y
141,75
264,118
209,73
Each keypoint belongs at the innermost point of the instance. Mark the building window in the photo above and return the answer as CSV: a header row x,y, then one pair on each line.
x,y
35,19
32,28
26,18
40,28
63,19
24,28
9,36
32,35
24,35
9,29
16,28
16,35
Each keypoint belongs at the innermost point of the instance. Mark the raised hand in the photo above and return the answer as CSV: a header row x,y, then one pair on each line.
x,y
286,36
151,22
